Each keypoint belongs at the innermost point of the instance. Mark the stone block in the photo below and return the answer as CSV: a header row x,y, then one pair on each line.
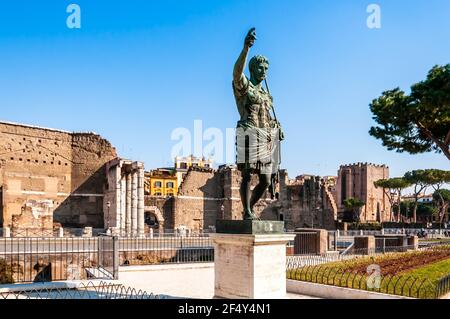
x,y
364,245
250,266
413,242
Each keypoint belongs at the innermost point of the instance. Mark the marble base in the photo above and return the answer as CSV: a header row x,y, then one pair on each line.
x,y
250,266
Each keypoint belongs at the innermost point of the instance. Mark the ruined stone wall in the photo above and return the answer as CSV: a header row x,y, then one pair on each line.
x,y
204,191
306,203
199,200
41,168
165,206
84,206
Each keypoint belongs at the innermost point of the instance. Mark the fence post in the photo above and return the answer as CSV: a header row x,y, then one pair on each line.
x,y
335,240
116,257
6,232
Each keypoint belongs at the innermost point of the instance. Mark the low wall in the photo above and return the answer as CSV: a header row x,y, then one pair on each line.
x,y
333,292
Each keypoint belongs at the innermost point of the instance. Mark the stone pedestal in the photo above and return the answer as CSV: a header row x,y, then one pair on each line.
x,y
250,266
413,242
364,245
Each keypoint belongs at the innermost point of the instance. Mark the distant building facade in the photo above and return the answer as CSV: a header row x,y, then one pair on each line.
x,y
161,182
357,181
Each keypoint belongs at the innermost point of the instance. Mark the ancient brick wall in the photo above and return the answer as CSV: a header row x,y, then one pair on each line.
x,y
165,206
357,180
199,199
39,165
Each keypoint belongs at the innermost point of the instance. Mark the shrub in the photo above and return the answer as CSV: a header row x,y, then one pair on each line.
x,y
6,273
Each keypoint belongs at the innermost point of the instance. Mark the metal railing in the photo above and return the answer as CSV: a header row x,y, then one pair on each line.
x,y
48,259
401,285
443,286
160,250
90,290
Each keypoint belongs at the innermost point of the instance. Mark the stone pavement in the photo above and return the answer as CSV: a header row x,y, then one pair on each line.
x,y
176,280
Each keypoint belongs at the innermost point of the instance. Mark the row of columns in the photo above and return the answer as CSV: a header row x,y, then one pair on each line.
x,y
130,200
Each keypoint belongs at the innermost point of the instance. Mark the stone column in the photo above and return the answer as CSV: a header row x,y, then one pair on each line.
x,y
118,196
128,208
134,202
140,204
123,205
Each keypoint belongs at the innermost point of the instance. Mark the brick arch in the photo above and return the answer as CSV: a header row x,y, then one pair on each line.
x,y
159,216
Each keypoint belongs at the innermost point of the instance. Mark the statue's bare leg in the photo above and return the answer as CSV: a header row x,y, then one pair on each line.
x,y
258,192
245,194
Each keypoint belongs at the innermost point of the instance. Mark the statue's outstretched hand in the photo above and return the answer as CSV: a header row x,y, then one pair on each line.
x,y
250,38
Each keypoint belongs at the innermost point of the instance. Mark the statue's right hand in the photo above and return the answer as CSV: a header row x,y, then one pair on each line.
x,y
250,38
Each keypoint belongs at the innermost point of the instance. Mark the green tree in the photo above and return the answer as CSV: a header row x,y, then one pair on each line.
x,y
421,179
419,122
442,198
353,205
393,188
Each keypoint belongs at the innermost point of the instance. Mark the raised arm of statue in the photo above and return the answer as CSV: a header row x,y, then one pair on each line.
x,y
238,72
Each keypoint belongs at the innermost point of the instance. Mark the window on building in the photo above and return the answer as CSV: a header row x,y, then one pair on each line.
x,y
169,194
281,217
169,185
158,194
183,165
206,165
194,164
158,184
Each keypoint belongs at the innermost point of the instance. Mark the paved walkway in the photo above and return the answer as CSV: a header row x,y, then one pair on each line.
x,y
179,280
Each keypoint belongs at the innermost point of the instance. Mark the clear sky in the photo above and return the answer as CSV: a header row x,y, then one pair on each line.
x,y
137,70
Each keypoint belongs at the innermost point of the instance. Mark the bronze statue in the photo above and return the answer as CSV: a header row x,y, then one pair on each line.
x,y
258,134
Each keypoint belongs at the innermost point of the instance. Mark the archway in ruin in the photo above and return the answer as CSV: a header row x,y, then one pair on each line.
x,y
154,218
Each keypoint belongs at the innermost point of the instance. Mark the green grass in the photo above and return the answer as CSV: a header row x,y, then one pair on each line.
x,y
433,272
418,283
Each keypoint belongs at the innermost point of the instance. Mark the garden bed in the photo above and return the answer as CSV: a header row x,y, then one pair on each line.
x,y
412,274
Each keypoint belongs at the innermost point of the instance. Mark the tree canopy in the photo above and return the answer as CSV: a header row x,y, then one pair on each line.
x,y
393,183
418,122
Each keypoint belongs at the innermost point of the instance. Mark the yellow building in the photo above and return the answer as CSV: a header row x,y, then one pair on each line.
x,y
182,165
165,181
161,182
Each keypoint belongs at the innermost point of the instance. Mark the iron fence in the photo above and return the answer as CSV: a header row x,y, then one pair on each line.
x,y
90,290
33,232
306,243
402,285
443,286
160,250
49,259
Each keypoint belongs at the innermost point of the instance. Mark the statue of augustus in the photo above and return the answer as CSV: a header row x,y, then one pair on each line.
x,y
258,134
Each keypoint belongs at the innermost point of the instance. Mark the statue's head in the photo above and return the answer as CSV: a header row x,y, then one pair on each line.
x,y
258,65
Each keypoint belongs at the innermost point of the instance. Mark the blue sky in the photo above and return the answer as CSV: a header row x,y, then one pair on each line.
x,y
136,70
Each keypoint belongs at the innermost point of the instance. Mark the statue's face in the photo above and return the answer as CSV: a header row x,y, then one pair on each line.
x,y
260,71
